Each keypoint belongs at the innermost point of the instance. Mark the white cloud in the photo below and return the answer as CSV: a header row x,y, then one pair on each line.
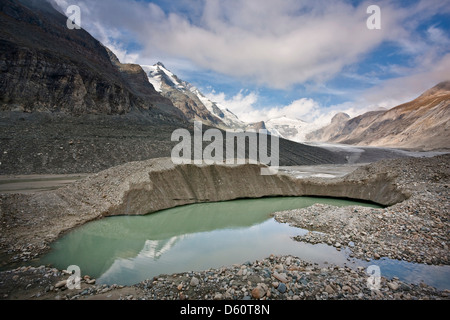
x,y
274,43
279,44
244,105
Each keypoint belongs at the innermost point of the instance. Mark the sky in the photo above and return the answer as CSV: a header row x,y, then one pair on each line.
x,y
265,59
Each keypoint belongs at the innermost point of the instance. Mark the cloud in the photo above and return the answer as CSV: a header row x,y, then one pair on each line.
x,y
273,43
279,44
245,106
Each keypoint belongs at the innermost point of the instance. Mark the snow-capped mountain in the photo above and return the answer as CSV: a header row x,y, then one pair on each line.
x,y
220,111
186,97
159,75
196,106
291,129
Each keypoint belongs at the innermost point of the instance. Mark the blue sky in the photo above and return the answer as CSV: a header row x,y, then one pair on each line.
x,y
267,58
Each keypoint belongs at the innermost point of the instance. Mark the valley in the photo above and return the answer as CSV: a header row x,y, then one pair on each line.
x,y
89,141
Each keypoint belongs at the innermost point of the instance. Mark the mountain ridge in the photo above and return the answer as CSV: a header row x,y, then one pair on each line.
x,y
190,100
422,123
47,67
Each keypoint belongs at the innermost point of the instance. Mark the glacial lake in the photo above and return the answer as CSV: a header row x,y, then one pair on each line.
x,y
129,249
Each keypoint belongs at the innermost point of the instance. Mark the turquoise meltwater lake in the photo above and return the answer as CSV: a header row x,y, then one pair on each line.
x,y
129,249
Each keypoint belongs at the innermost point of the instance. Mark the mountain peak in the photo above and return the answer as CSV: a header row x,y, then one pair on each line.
x,y
442,87
160,64
340,117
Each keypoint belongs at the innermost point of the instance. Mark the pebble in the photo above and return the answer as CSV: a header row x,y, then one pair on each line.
x,y
282,288
194,282
329,289
61,284
393,285
258,292
280,277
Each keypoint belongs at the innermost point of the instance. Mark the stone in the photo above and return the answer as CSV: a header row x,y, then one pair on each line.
x,y
280,277
61,284
346,288
218,296
180,287
329,289
288,261
194,282
258,292
279,267
393,285
282,288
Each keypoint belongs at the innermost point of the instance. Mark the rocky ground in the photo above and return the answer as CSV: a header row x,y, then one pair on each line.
x,y
54,143
274,278
415,230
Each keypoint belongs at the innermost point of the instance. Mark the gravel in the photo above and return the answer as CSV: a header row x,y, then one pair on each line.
x,y
415,230
303,281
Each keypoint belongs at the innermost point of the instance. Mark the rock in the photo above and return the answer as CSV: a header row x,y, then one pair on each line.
x,y
258,292
61,284
280,277
376,256
282,288
279,267
288,261
180,287
218,296
346,288
329,289
194,282
393,285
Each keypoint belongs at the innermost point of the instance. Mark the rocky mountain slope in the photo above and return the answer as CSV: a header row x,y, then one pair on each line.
x,y
178,92
419,124
189,100
67,104
44,66
327,132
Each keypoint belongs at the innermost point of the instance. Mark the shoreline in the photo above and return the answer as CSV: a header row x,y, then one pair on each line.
x,y
421,221
272,278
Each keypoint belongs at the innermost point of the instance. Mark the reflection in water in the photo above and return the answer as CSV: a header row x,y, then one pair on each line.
x,y
154,249
128,249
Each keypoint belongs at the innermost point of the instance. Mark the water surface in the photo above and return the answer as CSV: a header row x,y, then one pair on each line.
x,y
129,249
